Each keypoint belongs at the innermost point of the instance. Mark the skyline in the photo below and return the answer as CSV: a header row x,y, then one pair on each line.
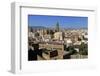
x,y
64,21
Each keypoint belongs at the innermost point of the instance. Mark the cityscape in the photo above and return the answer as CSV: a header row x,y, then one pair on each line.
x,y
57,37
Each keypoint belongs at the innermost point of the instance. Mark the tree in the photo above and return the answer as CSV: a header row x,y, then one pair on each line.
x,y
83,49
36,34
71,50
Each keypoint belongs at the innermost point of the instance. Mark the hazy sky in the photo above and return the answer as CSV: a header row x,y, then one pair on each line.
x,y
64,21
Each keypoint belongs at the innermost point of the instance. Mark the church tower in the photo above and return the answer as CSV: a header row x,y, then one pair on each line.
x,y
57,27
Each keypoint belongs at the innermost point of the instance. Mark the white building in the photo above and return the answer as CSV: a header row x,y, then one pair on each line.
x,y
58,36
31,34
68,42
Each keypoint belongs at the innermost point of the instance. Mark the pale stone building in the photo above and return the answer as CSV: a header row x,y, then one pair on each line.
x,y
59,47
58,35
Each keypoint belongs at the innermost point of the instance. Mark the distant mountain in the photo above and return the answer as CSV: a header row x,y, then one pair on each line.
x,y
43,27
75,28
38,27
